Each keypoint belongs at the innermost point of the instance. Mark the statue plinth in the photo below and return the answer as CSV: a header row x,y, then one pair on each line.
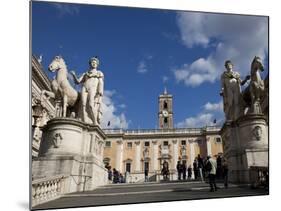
x,y
245,144
74,149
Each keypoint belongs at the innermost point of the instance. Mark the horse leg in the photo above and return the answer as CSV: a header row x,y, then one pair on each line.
x,y
65,104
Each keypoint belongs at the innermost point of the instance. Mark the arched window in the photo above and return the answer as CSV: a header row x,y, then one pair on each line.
x,y
165,104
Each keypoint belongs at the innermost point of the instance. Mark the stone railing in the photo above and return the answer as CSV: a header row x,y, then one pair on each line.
x,y
163,131
47,189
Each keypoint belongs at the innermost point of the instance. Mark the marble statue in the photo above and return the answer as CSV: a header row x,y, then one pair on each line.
x,y
92,91
231,91
62,91
256,85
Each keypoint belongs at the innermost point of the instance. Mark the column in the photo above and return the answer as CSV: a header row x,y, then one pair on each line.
x,y
176,153
209,146
138,157
155,156
119,156
192,154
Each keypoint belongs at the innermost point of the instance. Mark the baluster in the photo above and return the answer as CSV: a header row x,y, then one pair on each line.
x,y
52,189
56,186
49,193
59,186
45,191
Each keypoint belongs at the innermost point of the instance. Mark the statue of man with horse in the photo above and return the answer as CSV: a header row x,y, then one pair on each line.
x,y
237,103
85,105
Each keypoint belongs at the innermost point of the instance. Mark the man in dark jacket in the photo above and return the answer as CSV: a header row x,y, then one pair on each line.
x,y
179,169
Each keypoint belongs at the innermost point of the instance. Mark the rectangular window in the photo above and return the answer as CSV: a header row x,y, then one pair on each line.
x,y
107,144
183,142
129,145
199,142
128,167
146,143
218,139
166,143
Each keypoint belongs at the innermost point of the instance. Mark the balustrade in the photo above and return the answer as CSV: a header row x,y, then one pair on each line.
x,y
47,189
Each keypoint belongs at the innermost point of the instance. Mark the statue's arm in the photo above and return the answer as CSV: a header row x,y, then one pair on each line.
x,y
76,79
245,80
101,84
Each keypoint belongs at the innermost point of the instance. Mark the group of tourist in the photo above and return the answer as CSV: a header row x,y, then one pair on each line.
x,y
212,168
203,168
115,176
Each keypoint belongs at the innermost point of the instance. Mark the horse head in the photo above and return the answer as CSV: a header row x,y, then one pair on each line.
x,y
257,64
56,64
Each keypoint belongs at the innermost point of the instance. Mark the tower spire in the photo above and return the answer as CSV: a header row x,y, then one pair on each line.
x,y
165,90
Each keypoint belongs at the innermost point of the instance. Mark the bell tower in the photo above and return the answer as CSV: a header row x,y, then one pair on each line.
x,y
165,114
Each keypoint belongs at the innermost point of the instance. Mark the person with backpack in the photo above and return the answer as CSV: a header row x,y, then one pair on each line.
x,y
211,167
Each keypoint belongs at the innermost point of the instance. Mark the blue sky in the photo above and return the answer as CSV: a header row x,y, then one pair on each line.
x,y
142,50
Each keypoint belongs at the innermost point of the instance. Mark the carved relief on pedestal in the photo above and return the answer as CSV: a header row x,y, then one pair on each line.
x,y
57,140
100,146
257,133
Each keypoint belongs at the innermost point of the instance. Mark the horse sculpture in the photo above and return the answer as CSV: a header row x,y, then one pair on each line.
x,y
256,84
254,92
62,91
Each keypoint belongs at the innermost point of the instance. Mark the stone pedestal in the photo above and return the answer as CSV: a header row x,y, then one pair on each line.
x,y
245,144
73,149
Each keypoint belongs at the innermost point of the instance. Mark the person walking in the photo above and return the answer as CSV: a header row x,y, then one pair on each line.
x,y
211,166
200,167
195,168
189,172
115,176
146,175
184,170
179,169
109,174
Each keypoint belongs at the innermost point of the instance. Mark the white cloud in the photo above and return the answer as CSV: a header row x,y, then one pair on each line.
x,y
109,113
142,67
214,106
67,9
235,37
200,120
199,71
211,112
